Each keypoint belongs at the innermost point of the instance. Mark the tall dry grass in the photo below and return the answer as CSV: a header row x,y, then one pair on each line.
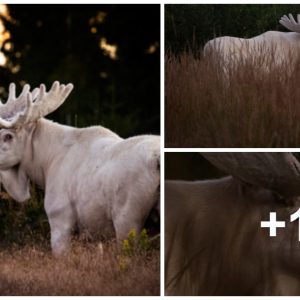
x,y
27,266
248,105
87,270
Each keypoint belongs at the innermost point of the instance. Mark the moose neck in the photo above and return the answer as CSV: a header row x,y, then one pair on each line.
x,y
47,141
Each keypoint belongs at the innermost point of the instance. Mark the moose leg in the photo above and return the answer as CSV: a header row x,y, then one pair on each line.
x,y
60,239
133,215
62,221
123,227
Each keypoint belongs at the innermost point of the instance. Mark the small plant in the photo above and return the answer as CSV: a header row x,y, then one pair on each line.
x,y
135,243
144,241
132,246
126,248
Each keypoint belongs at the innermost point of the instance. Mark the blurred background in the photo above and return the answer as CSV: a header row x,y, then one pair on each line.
x,y
193,166
193,25
109,52
189,166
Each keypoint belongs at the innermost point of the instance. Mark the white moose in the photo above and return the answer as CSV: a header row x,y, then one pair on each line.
x,y
279,47
92,178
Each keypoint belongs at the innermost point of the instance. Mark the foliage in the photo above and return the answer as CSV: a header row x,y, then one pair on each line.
x,y
193,25
135,243
23,223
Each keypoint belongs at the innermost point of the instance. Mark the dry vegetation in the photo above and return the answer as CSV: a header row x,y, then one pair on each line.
x,y
27,266
246,107
86,271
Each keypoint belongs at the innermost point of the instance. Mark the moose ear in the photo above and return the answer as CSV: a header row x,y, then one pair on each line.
x,y
16,183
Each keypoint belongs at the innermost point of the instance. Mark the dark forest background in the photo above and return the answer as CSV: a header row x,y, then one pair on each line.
x,y
193,25
189,166
193,166
62,42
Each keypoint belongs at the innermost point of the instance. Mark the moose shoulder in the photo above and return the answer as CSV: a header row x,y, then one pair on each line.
x,y
92,178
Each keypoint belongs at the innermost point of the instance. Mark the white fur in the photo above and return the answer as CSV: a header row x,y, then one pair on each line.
x,y
214,244
92,178
281,45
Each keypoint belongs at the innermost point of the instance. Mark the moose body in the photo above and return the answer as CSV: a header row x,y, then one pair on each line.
x,y
279,47
92,178
214,243
267,50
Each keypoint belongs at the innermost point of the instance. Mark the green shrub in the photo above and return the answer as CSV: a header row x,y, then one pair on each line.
x,y
23,223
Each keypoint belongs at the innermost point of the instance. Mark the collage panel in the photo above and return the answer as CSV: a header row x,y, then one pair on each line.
x,y
231,76
87,183
80,149
232,224
231,218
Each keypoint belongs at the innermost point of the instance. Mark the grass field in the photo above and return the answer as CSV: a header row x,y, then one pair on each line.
x,y
246,107
86,271
27,266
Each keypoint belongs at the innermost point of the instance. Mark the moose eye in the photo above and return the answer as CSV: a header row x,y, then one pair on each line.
x,y
7,137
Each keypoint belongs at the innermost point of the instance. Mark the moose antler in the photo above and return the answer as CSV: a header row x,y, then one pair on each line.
x,y
290,23
30,106
276,171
